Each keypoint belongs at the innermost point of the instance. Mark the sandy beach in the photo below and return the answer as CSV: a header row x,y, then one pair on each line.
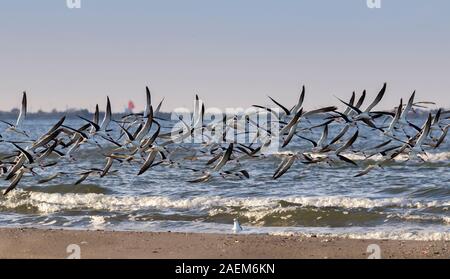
x,y
44,243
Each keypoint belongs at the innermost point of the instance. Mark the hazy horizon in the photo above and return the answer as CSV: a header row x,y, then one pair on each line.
x,y
231,53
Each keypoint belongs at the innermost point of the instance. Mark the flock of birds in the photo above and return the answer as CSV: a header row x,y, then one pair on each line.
x,y
140,140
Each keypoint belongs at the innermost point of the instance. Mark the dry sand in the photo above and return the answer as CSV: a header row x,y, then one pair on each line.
x,y
43,243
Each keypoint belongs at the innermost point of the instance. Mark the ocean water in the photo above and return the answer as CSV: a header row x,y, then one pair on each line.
x,y
405,200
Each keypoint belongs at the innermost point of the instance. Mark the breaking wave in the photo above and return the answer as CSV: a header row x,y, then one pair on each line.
x,y
393,234
53,202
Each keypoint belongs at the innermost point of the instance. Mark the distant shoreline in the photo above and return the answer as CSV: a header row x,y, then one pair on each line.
x,y
47,243
86,113
68,114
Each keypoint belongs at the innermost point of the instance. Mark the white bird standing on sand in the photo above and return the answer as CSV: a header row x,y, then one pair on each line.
x,y
237,226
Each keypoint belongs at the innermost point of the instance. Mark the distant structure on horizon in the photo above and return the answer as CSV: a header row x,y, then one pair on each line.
x,y
130,107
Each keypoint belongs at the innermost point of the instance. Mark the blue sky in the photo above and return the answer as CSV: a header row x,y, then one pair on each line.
x,y
232,53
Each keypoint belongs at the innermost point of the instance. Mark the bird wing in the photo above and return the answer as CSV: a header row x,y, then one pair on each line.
x,y
351,102
225,158
148,102
288,112
377,99
299,104
107,118
408,107
348,143
23,110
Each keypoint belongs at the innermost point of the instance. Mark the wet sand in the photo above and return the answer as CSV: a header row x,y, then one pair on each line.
x,y
43,243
